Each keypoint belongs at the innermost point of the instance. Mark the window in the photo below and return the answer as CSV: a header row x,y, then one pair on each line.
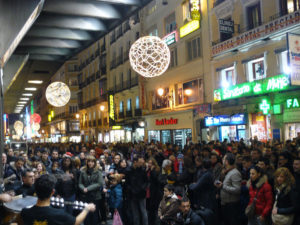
x,y
115,82
227,77
102,87
283,59
188,92
186,10
173,61
254,16
288,6
193,48
121,106
170,23
159,102
256,69
137,102
129,104
153,31
121,80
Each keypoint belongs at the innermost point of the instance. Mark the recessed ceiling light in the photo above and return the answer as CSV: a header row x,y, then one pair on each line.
x,y
24,99
27,94
30,89
35,81
22,102
20,106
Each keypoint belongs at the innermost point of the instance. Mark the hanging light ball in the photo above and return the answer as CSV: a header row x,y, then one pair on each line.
x,y
18,125
149,56
35,118
58,94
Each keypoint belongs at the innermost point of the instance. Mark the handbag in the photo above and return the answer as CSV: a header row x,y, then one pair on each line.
x,y
250,209
280,219
117,219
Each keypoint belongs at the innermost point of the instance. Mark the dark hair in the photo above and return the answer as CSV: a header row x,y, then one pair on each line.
x,y
230,158
20,158
285,154
206,163
297,159
169,187
184,199
135,159
247,158
257,169
44,186
25,171
265,160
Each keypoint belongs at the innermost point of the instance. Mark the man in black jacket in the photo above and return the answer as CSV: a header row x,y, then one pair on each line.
x,y
27,187
187,216
137,183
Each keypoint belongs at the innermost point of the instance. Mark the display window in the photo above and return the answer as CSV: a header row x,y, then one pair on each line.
x,y
292,131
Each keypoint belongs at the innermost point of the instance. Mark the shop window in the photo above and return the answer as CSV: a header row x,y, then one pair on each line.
x,y
227,77
283,62
193,48
188,92
129,104
170,23
160,101
137,102
254,16
174,61
256,69
288,6
121,106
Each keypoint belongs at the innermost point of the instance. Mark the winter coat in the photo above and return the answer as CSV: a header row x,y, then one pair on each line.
x,y
203,191
264,199
156,193
286,201
231,189
168,207
93,182
115,197
137,182
191,218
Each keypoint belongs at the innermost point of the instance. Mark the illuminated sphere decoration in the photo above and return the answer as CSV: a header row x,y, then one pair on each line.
x,y
58,94
35,118
149,56
18,125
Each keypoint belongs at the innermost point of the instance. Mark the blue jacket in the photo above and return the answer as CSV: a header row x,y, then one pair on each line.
x,y
115,197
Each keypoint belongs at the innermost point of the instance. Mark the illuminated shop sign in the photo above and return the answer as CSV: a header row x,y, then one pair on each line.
x,y
111,107
272,84
171,38
261,32
170,121
189,28
225,120
195,9
292,103
116,127
265,106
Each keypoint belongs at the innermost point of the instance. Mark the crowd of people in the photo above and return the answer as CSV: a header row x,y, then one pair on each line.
x,y
211,183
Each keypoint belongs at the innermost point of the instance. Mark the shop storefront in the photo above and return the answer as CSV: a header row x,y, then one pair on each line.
x,y
291,118
175,128
226,127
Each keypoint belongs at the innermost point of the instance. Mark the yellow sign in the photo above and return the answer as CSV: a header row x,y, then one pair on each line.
x,y
189,28
49,118
111,107
195,5
116,127
52,113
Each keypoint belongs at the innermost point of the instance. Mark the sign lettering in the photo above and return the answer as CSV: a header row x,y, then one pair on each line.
x,y
226,26
224,120
170,121
292,103
171,37
189,28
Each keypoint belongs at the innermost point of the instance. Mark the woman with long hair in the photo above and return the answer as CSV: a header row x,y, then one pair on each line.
x,y
260,191
284,206
41,169
90,184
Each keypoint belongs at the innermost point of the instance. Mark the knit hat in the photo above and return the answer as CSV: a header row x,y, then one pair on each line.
x,y
68,154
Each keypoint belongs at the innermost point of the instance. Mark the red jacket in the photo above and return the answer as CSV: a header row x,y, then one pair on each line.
x,y
264,202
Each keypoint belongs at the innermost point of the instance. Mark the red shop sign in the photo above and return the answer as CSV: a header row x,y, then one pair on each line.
x,y
170,121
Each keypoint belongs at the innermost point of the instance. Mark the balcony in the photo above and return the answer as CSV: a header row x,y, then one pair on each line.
x,y
103,70
121,115
129,114
137,112
134,81
119,33
105,123
119,60
99,122
97,74
103,48
113,64
90,123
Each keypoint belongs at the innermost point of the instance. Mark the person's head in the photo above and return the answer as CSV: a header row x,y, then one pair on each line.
x,y
198,161
4,158
206,163
19,163
123,163
185,205
255,173
229,160
246,162
55,166
140,162
153,163
45,155
82,156
283,159
44,186
77,162
167,164
67,163
54,155
168,190
284,176
214,158
117,159
102,158
255,155
91,162
93,152
83,149
10,152
296,165
28,177
40,167
264,163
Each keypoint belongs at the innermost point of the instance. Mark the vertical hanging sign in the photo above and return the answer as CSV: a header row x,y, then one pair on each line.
x,y
293,45
195,9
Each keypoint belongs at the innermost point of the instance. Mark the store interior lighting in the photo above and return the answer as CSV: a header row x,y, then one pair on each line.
x,y
27,94
160,91
30,89
35,81
24,99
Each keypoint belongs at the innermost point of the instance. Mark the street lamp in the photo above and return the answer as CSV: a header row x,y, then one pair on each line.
x,y
102,108
77,116
160,91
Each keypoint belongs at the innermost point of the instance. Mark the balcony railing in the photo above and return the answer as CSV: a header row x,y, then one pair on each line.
x,y
105,123
90,123
119,32
113,64
94,123
137,112
129,113
103,70
119,60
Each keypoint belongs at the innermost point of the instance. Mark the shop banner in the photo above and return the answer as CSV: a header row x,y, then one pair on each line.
x,y
293,43
225,120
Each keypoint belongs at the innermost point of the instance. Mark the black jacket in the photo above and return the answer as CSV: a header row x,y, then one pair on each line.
x,y
156,193
137,182
192,218
286,201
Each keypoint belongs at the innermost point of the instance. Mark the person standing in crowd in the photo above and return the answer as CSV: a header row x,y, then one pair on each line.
x,y
285,200
230,192
260,191
90,183
45,159
27,187
187,215
10,156
136,179
296,167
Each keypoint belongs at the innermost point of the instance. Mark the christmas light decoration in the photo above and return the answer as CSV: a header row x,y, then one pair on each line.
x,y
149,56
58,94
18,125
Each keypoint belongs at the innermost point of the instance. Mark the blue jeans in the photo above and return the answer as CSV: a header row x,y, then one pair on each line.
x,y
139,211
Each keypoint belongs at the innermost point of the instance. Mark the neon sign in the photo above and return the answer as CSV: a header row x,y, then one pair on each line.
x,y
111,107
189,28
195,9
171,121
223,120
171,38
272,84
292,103
265,106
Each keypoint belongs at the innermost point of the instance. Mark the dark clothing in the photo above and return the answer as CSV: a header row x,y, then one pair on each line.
x,y
191,218
46,215
137,183
297,192
25,190
231,213
66,185
286,201
115,197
